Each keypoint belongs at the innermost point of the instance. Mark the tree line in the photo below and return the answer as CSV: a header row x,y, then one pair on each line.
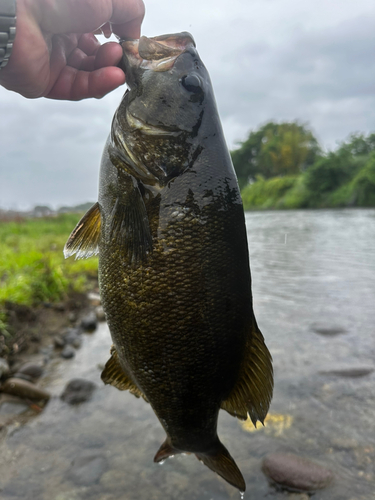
x,y
282,165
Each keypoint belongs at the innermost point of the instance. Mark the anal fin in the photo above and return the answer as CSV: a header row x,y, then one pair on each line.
x,y
115,375
252,393
84,239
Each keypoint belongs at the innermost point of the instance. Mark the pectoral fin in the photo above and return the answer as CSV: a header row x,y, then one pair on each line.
x,y
84,239
129,225
115,375
252,393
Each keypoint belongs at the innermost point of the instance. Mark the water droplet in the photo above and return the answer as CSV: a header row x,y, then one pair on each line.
x,y
242,495
161,462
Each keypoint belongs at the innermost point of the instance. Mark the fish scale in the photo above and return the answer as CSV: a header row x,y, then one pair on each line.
x,y
174,271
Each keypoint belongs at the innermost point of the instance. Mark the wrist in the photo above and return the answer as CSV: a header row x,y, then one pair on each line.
x,y
7,29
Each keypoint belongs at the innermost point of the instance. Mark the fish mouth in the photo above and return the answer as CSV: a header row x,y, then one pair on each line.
x,y
158,53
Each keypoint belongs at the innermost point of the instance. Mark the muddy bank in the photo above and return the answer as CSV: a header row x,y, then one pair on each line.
x,y
35,338
30,328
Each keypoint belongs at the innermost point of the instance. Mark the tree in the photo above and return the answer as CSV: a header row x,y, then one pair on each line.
x,y
276,149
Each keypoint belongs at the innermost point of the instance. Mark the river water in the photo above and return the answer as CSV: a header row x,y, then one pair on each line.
x,y
314,289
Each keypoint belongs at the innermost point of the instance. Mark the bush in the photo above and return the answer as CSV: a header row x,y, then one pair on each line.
x,y
267,193
363,185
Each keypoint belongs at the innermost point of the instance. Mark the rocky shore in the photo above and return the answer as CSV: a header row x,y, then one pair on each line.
x,y
41,335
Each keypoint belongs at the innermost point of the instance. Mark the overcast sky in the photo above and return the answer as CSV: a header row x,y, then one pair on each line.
x,y
268,59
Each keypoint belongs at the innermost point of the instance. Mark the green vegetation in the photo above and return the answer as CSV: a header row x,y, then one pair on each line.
x,y
32,265
283,166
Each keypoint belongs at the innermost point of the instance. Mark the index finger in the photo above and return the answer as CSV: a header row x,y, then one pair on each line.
x,y
85,16
131,27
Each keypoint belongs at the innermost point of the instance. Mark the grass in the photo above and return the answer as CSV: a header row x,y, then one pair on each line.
x,y
32,265
325,185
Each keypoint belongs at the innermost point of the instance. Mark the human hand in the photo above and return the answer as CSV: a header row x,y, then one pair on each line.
x,y
55,53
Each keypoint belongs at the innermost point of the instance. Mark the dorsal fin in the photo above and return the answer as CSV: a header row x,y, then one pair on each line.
x,y
84,239
115,375
252,393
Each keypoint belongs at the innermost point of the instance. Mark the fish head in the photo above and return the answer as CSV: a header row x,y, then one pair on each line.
x,y
159,120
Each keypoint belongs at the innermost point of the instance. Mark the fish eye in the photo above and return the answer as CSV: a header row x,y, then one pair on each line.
x,y
192,83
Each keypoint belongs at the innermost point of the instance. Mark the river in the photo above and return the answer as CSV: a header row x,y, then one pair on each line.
x,y
314,298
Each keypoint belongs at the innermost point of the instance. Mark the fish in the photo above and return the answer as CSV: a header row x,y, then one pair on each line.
x,y
174,272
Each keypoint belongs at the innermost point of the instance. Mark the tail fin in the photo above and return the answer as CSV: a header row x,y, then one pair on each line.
x,y
223,464
218,460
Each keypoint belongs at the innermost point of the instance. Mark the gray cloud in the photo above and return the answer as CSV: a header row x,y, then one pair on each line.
x,y
268,59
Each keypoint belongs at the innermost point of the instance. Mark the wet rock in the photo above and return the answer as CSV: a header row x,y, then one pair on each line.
x,y
71,336
72,316
89,323
296,473
31,370
4,368
94,299
328,330
58,341
77,343
350,372
24,389
100,314
87,468
13,407
23,377
68,352
78,391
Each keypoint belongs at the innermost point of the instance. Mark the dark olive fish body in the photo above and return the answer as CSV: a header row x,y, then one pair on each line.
x,y
173,260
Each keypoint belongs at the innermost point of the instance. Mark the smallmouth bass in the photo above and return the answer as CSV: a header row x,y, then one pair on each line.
x,y
174,269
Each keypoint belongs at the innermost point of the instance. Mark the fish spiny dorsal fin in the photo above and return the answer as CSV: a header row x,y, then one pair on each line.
x,y
220,461
115,375
252,393
84,239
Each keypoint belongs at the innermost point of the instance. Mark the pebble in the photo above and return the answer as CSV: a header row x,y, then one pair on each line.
x,y
296,473
87,468
94,299
78,391
58,341
4,367
68,352
77,343
72,316
100,314
350,372
23,376
328,330
31,370
71,335
89,323
24,389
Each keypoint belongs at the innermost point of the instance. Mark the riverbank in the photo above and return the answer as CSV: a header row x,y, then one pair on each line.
x,y
39,288
313,286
